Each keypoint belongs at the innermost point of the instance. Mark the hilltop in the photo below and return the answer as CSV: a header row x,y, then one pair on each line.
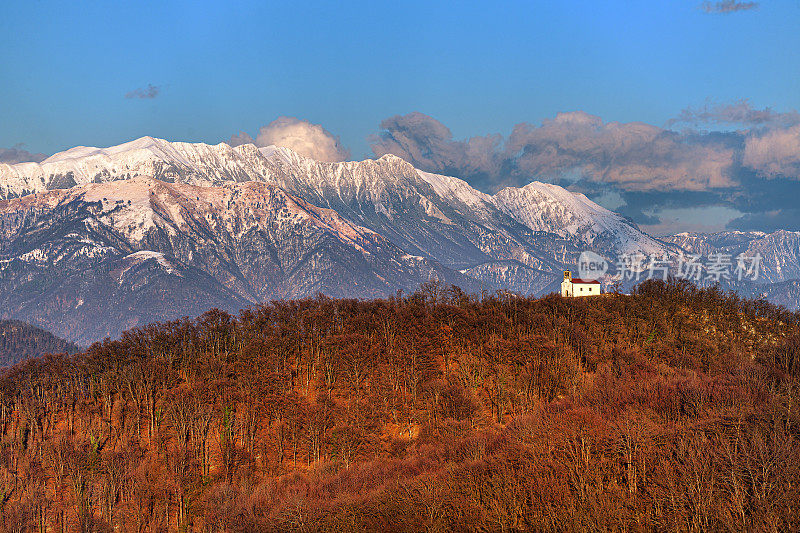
x,y
675,407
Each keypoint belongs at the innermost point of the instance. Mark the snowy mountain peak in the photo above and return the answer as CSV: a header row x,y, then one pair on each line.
x,y
80,152
551,208
392,158
450,187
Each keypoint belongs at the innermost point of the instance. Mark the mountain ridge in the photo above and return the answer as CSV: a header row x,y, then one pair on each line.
x,y
468,227
227,247
194,225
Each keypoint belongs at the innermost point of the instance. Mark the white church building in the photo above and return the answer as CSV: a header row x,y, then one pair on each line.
x,y
575,287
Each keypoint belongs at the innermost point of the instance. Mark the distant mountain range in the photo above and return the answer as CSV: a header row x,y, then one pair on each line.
x,y
20,341
94,241
779,251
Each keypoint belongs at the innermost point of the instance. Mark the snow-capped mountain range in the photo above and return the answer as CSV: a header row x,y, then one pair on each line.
x,y
383,194
779,251
95,240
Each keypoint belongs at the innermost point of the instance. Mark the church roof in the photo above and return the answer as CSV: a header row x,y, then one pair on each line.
x,y
585,281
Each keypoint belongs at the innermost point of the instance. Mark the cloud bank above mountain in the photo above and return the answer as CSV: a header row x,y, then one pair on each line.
x,y
774,153
633,156
651,168
740,158
305,138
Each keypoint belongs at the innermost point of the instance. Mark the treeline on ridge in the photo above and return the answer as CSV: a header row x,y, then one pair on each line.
x,y
673,408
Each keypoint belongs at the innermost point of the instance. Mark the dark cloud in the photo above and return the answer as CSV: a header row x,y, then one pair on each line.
x,y
756,194
768,221
146,93
644,207
633,156
429,145
242,138
16,154
727,6
740,112
767,204
305,138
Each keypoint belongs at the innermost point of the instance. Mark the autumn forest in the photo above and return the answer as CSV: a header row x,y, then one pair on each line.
x,y
675,408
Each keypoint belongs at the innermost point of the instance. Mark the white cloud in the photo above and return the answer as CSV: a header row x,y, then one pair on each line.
x,y
774,152
301,136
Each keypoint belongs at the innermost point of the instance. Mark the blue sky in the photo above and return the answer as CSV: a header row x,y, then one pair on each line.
x,y
477,67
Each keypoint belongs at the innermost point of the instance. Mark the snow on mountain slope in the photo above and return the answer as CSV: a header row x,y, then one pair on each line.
x,y
438,217
389,196
733,242
456,189
168,161
550,208
102,251
515,277
779,251
785,293
780,255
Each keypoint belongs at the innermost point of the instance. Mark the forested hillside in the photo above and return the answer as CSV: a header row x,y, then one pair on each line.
x,y
674,408
20,341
